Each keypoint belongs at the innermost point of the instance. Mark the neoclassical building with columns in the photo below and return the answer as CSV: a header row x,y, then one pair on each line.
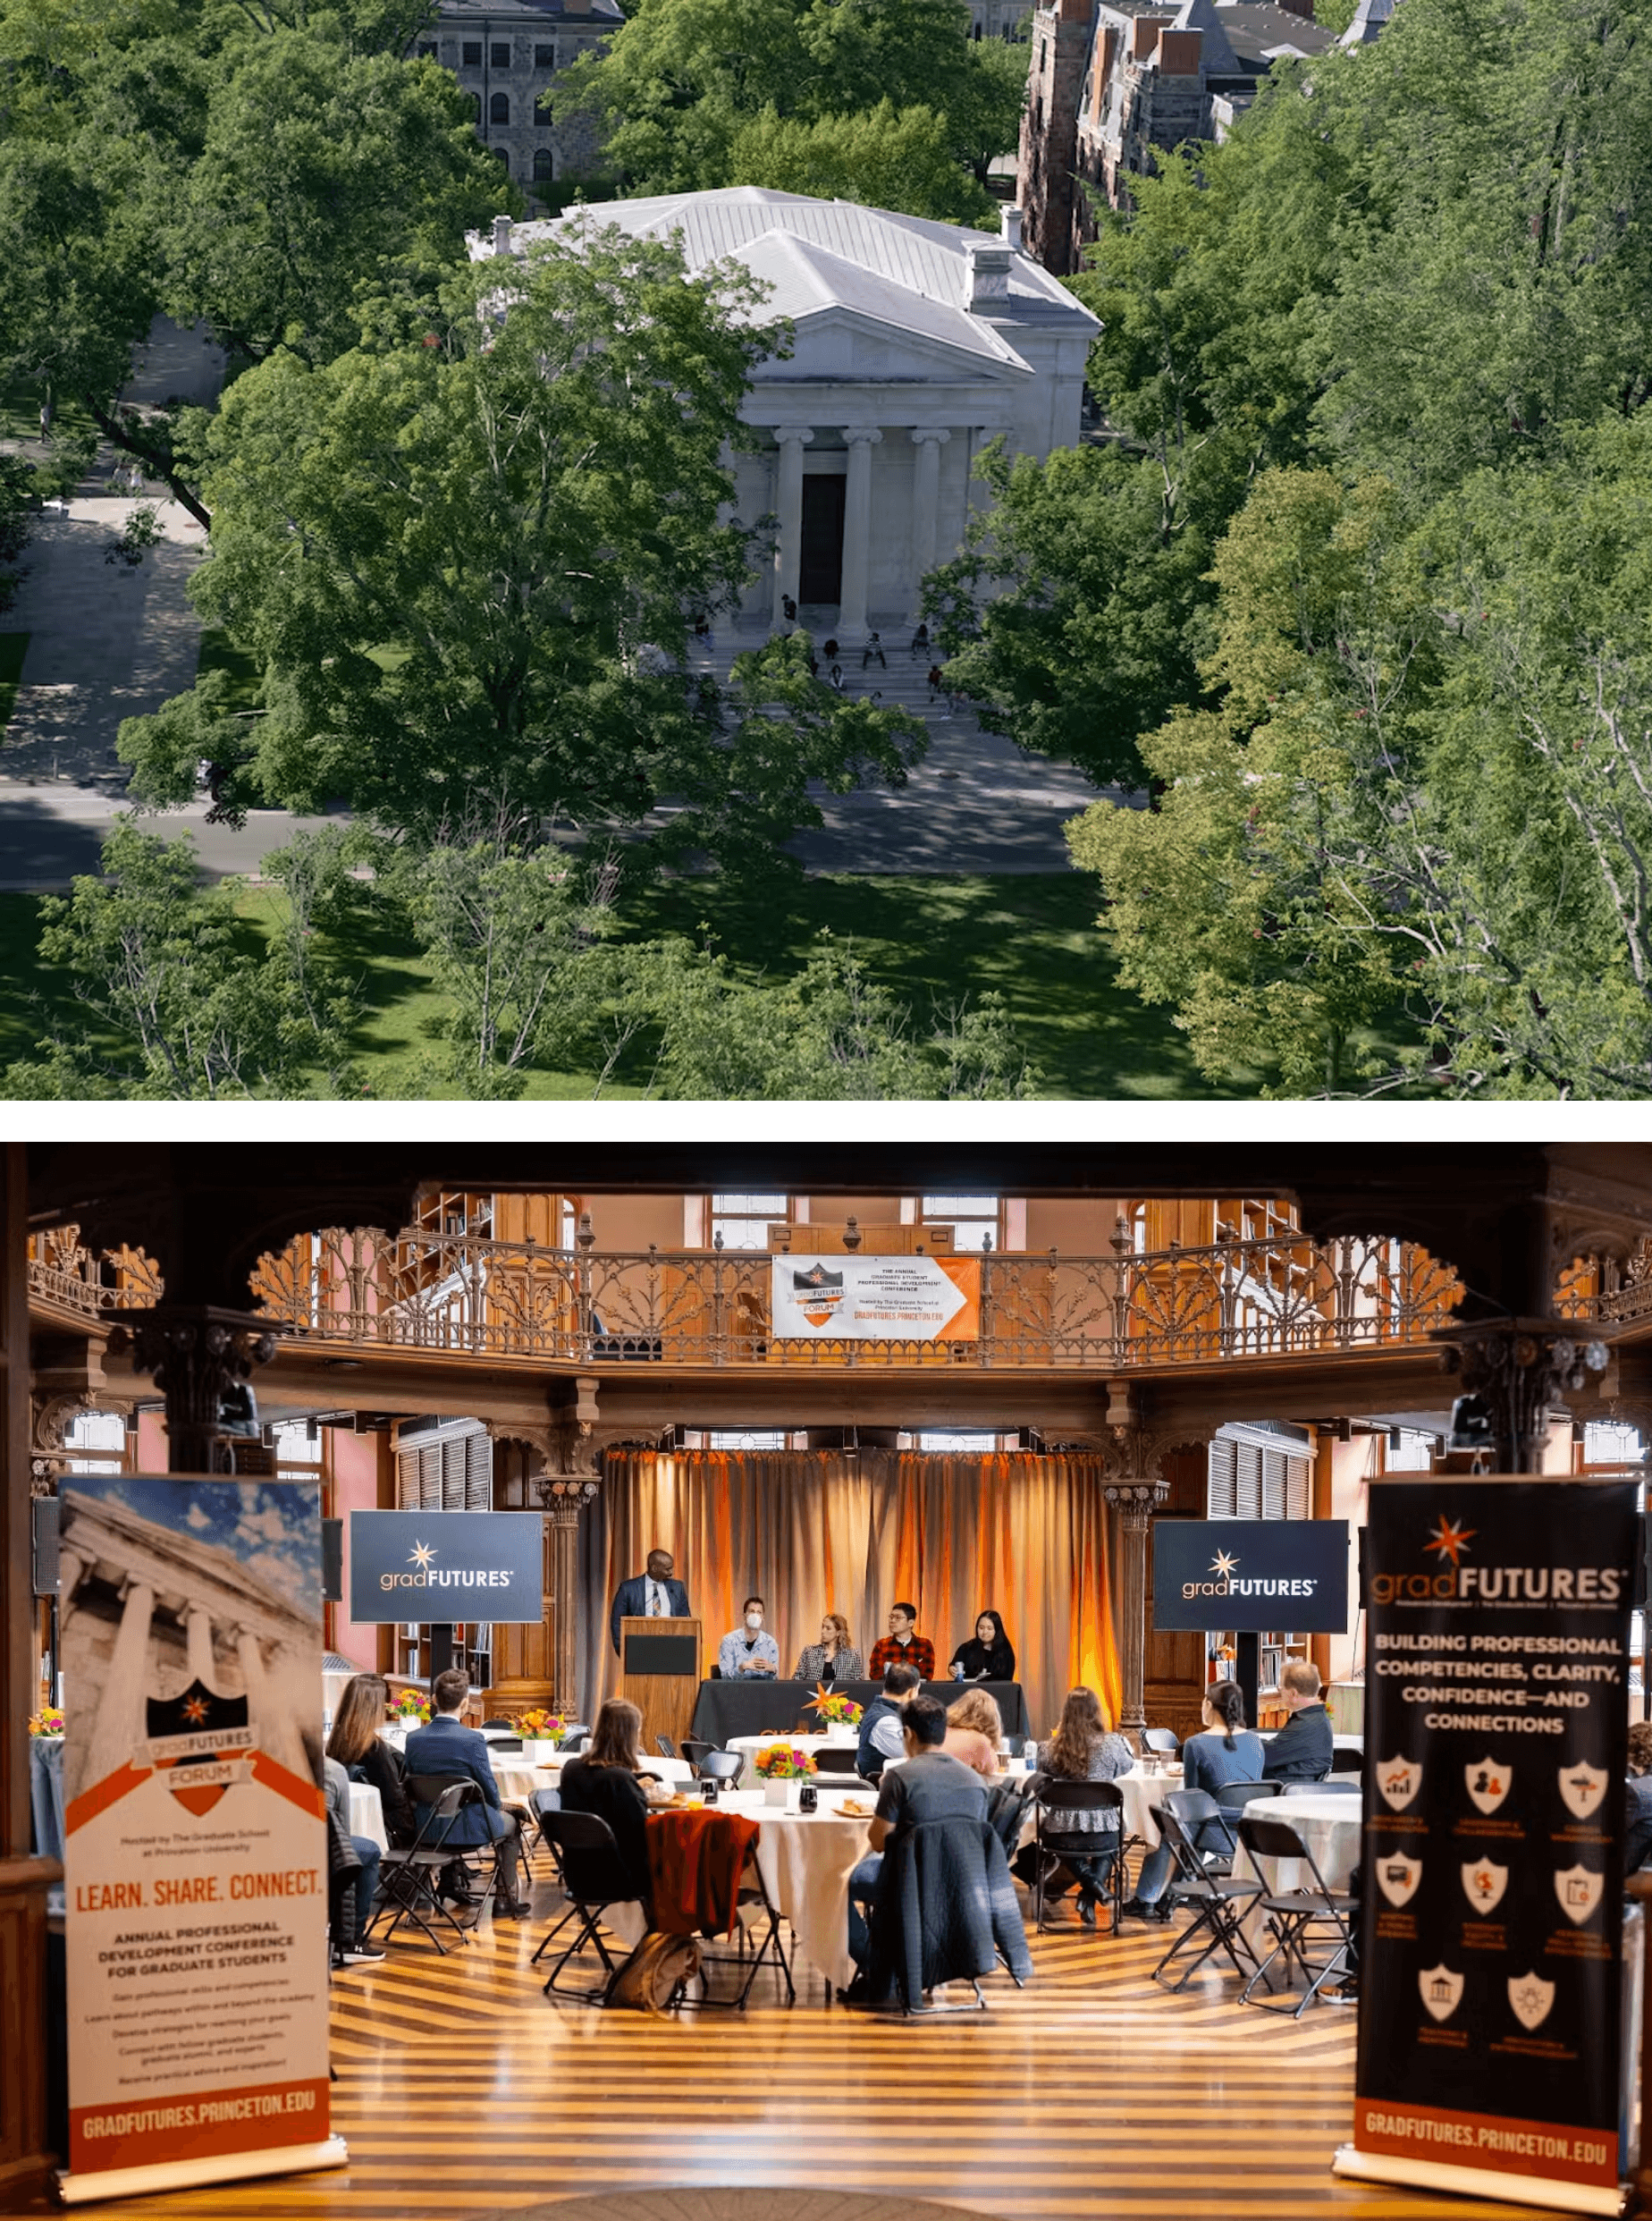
x,y
914,346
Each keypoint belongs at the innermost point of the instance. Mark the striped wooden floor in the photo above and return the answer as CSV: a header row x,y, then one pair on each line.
x,y
463,2091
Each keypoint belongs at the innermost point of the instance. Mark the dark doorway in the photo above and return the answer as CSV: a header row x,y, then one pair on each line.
x,y
820,574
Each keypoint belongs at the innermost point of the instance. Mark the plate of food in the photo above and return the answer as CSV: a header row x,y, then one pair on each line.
x,y
856,1808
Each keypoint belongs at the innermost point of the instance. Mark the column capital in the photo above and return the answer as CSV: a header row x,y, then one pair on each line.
x,y
791,434
924,434
861,435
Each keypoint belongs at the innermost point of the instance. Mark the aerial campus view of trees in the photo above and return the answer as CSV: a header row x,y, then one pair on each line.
x,y
1354,584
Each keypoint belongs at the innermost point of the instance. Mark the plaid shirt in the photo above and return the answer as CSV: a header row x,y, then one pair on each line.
x,y
916,1650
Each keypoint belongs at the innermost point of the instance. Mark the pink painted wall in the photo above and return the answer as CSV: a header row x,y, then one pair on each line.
x,y
151,1442
356,1459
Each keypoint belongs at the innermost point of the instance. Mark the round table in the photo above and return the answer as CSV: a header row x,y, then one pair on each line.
x,y
840,1746
1143,1793
517,1779
366,1813
1330,1827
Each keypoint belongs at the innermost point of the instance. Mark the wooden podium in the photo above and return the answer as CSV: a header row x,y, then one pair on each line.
x,y
660,1671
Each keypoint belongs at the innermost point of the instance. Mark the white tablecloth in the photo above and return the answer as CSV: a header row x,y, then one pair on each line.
x,y
366,1813
837,1745
1144,1793
517,1780
1330,1828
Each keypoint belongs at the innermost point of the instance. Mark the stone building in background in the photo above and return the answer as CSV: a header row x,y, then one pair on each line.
x,y
508,55
1115,83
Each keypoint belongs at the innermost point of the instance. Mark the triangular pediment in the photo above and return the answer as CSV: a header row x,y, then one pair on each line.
x,y
855,324
848,345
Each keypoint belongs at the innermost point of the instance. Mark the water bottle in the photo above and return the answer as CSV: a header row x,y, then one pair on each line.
x,y
957,1669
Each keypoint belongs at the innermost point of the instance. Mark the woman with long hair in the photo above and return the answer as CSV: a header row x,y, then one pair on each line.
x,y
833,1661
974,1727
1226,1751
604,1780
1083,1748
989,1655
365,1755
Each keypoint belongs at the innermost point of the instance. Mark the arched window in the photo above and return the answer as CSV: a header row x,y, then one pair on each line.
x,y
475,107
499,108
542,109
543,167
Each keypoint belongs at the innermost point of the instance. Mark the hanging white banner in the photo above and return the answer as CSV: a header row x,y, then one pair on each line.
x,y
881,1299
195,1842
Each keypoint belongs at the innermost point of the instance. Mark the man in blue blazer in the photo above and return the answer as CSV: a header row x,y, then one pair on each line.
x,y
447,1746
653,1595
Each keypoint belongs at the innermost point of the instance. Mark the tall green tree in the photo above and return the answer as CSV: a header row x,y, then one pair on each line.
x,y
884,158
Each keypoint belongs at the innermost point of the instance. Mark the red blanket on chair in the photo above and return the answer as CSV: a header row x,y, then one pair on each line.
x,y
694,1859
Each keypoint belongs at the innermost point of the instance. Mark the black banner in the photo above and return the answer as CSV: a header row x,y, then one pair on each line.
x,y
1252,1573
1496,1715
442,1567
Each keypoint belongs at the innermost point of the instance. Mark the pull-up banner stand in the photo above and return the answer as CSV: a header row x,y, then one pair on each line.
x,y
1496,1720
195,1865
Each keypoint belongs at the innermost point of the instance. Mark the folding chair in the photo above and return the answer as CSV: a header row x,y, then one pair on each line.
x,y
1298,1918
1200,1813
753,1891
1079,1796
1232,1796
665,1746
837,1764
723,1767
1347,1756
407,1878
574,1737
1219,1901
1321,1789
588,1860
427,1789
1160,1739
694,1751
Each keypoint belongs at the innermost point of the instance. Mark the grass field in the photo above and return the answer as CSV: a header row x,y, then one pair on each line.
x,y
1031,938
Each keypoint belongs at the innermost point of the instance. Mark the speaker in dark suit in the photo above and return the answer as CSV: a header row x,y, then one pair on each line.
x,y
638,1598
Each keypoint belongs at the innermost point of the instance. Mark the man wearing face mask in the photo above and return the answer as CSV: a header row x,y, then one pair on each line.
x,y
749,1653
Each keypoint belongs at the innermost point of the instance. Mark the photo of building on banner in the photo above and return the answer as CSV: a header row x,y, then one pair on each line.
x,y
1496,1724
875,1299
196,1864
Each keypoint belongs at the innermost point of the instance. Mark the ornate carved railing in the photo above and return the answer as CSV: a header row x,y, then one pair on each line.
x,y
63,1273
1236,1300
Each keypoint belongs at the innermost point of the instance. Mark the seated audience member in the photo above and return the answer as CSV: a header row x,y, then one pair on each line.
x,y
447,1746
903,1645
1084,1748
1638,1806
366,1756
603,1779
1227,1751
974,1727
358,1951
749,1653
833,1661
880,1722
1302,1749
987,1655
929,1786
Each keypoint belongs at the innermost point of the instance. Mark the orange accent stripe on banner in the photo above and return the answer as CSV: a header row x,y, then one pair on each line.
x,y
297,1788
1553,2151
145,2131
103,1794
965,1273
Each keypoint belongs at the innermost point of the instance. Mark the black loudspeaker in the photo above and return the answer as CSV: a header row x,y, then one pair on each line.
x,y
45,1553
332,1561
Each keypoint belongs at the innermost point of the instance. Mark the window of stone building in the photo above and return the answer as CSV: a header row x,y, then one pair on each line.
x,y
501,54
475,107
473,53
544,57
427,49
499,108
541,108
543,167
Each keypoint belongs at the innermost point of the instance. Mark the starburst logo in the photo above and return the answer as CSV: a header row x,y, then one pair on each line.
x,y
195,1710
420,1555
1223,1566
1450,1539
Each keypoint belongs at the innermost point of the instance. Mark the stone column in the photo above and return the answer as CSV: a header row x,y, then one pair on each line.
x,y
70,1566
197,1627
1134,1501
566,1496
119,1719
925,502
791,439
856,534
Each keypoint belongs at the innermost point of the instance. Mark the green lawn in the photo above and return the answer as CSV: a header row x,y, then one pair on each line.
x,y
14,647
218,652
1030,937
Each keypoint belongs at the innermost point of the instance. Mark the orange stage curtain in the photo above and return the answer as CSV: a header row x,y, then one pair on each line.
x,y
812,1531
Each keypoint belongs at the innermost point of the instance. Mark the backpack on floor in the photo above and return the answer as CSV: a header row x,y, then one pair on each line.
x,y
648,1980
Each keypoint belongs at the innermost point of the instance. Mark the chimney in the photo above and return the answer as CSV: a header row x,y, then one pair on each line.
x,y
987,287
1011,220
502,234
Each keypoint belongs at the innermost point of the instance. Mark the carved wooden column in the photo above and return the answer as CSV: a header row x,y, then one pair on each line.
x,y
1513,1371
1134,1501
196,1352
566,1496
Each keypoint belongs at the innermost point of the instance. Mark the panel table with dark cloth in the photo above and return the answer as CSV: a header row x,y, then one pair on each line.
x,y
724,1709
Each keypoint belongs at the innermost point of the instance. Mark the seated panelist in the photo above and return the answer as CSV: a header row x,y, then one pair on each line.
x,y
832,1662
749,1653
987,1655
903,1645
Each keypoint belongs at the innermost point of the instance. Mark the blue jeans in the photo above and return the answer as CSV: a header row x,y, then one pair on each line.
x,y
863,1891
366,1881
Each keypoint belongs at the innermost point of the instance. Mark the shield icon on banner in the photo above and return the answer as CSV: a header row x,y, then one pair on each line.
x,y
1399,1779
1442,1990
1484,1884
1489,1783
1579,1892
1530,1998
1397,1876
1583,1787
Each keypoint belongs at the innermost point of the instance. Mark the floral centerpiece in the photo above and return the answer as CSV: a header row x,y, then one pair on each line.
x,y
835,1708
538,1726
783,1761
47,1722
412,1708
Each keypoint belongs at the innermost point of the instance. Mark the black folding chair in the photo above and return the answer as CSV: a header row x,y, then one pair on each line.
x,y
1203,1818
427,1789
1321,1789
1052,1841
587,1867
1219,1901
837,1764
722,1767
694,1751
500,1720
507,1744
1160,1739
574,1737
753,1891
1232,1796
1298,1919
407,1878
1347,1756
665,1746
